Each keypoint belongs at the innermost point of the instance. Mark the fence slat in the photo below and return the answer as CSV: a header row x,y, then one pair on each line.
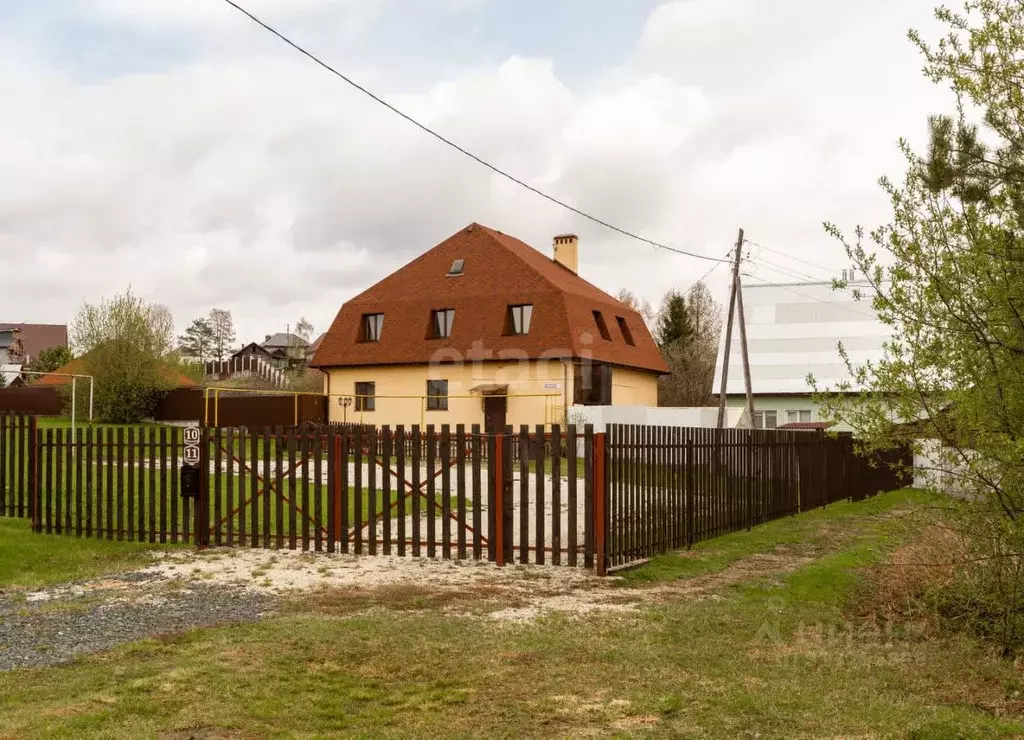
x,y
572,499
416,493
387,499
400,487
293,491
475,484
431,503
540,513
280,443
267,478
460,490
446,492
556,494
524,493
371,485
357,493
306,510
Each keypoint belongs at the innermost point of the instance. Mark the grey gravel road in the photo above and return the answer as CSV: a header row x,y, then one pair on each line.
x,y
60,624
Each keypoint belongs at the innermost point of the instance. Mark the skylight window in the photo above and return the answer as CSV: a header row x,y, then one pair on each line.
x,y
456,269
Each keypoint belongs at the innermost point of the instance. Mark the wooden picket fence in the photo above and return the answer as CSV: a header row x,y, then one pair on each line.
x,y
547,496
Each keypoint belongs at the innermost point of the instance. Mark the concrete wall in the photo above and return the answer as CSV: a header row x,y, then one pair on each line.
x,y
707,417
537,391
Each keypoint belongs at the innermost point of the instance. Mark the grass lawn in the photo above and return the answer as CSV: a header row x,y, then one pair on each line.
x,y
29,560
772,654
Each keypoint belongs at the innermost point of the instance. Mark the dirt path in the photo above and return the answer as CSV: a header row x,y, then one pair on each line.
x,y
182,590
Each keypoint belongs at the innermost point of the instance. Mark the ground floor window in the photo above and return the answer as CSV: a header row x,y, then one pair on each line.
x,y
798,415
437,395
365,393
766,419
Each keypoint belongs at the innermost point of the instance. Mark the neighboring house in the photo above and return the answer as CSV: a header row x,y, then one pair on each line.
x,y
793,330
35,338
484,329
286,350
252,350
11,347
312,348
250,362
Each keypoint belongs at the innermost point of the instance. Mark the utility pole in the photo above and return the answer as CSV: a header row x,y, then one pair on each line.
x,y
735,296
743,341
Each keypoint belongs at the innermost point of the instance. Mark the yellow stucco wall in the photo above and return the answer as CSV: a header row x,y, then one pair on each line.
x,y
634,388
537,392
528,384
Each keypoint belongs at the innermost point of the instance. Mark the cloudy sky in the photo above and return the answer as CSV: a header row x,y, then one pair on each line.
x,y
173,146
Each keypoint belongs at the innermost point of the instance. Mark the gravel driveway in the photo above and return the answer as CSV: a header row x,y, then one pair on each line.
x,y
58,625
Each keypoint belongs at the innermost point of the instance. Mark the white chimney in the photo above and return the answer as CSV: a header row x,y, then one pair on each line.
x,y
567,251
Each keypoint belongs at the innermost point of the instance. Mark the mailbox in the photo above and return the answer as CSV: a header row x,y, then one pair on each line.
x,y
190,481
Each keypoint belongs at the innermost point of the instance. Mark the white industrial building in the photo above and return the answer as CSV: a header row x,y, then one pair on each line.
x,y
794,330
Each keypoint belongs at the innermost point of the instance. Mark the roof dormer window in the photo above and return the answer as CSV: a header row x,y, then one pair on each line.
x,y
373,325
626,333
441,323
518,319
602,327
457,267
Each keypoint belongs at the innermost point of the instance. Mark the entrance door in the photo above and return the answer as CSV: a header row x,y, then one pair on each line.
x,y
495,408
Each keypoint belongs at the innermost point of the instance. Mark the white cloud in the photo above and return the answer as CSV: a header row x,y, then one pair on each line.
x,y
263,185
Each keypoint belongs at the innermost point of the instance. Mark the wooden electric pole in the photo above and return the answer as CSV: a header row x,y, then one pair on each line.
x,y
735,298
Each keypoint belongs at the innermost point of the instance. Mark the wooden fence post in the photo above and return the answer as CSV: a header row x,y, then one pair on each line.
x,y
33,474
499,499
202,503
600,505
691,497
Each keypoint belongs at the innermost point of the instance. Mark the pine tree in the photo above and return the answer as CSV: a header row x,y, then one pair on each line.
x,y
197,341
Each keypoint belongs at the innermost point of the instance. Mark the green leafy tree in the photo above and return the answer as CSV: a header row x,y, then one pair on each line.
x,y
223,332
947,276
125,345
51,358
197,341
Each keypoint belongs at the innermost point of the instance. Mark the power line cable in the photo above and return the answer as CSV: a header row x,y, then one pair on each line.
x,y
705,276
791,289
790,256
453,145
775,267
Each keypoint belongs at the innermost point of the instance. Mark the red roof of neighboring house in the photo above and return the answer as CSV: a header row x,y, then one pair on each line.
x,y
499,271
812,425
76,367
37,337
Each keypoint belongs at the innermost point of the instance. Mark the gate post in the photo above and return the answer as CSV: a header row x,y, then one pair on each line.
x,y
33,475
600,505
499,499
337,459
201,510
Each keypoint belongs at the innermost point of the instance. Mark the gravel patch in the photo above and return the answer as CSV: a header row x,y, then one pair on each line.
x,y
58,625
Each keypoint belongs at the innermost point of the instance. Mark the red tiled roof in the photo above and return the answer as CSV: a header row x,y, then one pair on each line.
x,y
499,271
37,337
76,367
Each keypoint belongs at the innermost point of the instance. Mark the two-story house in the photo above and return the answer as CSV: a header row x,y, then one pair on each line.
x,y
484,329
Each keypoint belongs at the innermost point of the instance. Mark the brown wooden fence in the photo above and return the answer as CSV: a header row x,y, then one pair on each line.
x,y
254,411
40,400
602,500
